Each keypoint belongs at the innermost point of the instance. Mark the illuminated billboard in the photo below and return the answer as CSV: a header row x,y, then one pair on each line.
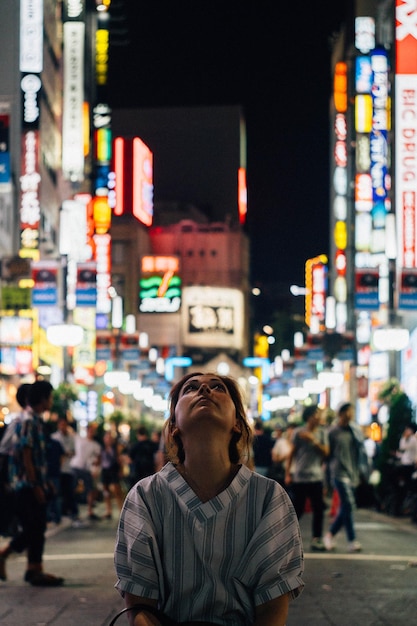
x,y
159,285
45,283
212,317
133,178
73,91
16,341
316,291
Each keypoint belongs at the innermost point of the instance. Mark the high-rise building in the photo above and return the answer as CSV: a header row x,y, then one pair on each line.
x,y
373,277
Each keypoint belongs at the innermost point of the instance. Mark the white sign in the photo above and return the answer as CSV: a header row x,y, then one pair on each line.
x,y
406,166
72,123
30,85
212,317
31,36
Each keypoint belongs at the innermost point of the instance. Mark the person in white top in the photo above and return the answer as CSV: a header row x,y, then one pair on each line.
x,y
407,464
86,464
206,539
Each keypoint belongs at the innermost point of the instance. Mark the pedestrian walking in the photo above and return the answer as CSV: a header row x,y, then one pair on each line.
x,y
66,437
406,466
111,469
86,466
305,471
54,456
29,481
276,470
346,450
142,456
206,539
262,449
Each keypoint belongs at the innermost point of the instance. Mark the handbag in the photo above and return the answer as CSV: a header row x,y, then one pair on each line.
x,y
164,619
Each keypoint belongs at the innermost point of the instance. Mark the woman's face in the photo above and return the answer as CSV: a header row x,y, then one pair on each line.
x,y
205,400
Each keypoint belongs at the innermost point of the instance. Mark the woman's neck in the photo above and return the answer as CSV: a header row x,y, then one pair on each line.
x,y
206,477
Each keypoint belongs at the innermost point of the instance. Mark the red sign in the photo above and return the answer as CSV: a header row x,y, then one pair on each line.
x,y
133,168
406,37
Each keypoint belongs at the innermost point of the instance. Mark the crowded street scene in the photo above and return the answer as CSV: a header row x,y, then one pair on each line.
x,y
208,313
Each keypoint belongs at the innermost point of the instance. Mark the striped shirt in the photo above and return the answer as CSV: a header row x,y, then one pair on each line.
x,y
212,561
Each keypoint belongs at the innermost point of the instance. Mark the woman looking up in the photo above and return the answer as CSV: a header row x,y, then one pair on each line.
x,y
206,540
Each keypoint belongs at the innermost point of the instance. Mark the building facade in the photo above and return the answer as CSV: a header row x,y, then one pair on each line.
x,y
373,195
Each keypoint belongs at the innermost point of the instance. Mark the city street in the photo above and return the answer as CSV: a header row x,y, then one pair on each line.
x,y
375,587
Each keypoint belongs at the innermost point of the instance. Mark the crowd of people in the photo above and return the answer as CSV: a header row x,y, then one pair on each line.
x,y
317,462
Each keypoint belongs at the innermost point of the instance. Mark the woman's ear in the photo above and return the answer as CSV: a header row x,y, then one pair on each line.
x,y
236,428
175,431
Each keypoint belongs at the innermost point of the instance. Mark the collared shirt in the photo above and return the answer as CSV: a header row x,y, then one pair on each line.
x,y
29,434
212,561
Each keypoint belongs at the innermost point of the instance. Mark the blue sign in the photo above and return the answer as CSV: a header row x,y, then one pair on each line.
x,y
257,361
175,361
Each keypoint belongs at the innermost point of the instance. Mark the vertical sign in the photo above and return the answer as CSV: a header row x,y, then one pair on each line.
x,y
30,65
73,96
406,130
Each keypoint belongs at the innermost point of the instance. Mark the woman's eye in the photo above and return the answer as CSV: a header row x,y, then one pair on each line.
x,y
219,387
189,387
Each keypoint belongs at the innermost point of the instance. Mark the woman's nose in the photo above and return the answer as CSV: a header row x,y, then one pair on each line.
x,y
204,387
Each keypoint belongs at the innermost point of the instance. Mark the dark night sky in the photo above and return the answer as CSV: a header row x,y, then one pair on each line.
x,y
273,59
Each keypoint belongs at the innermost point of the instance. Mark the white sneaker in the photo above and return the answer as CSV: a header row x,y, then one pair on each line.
x,y
328,541
354,546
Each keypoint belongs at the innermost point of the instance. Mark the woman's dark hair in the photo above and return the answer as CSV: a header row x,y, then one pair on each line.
x,y
240,442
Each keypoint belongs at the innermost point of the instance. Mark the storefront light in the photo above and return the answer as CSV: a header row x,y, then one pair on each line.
x,y
393,338
115,378
279,403
298,393
128,387
314,386
143,393
331,380
65,335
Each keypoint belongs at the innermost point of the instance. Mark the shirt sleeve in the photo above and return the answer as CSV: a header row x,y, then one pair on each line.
x,y
273,561
136,558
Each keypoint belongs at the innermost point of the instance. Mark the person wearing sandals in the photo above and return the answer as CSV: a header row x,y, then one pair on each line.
x,y
28,474
206,539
